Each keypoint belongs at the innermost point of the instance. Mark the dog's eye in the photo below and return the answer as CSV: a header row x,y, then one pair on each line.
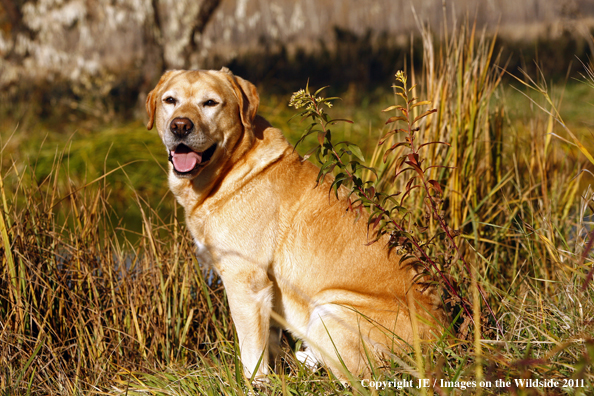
x,y
210,103
170,100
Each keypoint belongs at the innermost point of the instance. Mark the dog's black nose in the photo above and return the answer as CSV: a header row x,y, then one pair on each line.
x,y
181,126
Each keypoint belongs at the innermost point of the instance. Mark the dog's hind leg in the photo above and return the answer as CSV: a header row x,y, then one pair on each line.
x,y
336,341
308,358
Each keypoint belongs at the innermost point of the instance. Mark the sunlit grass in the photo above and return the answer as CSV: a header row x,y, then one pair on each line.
x,y
100,291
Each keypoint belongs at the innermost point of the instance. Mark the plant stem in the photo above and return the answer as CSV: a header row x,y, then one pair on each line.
x,y
386,213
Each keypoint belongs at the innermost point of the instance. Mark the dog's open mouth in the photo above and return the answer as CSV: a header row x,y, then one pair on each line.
x,y
185,160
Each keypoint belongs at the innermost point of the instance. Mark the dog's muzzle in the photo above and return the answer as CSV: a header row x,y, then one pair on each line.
x,y
186,161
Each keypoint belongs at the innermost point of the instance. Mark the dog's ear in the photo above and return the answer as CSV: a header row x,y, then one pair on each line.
x,y
151,99
247,96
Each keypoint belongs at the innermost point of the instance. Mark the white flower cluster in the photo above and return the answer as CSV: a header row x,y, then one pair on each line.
x,y
303,98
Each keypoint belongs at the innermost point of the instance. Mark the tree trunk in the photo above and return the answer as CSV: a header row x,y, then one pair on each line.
x,y
207,10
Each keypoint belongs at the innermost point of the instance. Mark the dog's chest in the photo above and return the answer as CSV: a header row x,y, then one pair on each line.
x,y
219,235
197,223
203,253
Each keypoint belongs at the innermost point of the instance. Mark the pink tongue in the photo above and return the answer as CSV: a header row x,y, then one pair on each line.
x,y
185,161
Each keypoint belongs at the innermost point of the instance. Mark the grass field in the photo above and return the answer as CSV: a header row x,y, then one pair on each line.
x,y
100,292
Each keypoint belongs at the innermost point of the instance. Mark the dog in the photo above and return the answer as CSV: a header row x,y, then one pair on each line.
x,y
288,251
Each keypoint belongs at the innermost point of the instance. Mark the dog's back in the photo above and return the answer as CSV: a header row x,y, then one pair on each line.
x,y
332,287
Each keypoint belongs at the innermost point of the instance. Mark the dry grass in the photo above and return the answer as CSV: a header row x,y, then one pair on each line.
x,y
80,302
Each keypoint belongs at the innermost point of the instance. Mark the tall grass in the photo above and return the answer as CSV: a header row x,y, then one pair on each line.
x,y
85,308
514,194
79,302
510,196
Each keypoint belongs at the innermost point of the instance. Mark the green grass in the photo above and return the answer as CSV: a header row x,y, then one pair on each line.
x,y
100,292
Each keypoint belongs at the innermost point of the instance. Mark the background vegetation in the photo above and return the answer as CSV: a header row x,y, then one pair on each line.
x,y
100,291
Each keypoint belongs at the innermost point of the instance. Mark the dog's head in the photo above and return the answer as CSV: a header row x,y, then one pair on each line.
x,y
203,117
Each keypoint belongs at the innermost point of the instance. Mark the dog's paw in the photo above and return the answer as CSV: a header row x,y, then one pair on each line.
x,y
308,359
259,385
260,382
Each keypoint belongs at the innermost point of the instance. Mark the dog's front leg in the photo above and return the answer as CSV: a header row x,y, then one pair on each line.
x,y
250,298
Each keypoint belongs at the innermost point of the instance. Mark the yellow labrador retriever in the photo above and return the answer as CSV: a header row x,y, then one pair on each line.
x,y
288,252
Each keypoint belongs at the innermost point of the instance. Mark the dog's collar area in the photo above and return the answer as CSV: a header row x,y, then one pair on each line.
x,y
187,162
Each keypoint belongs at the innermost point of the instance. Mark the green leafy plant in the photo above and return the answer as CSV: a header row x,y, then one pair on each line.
x,y
388,213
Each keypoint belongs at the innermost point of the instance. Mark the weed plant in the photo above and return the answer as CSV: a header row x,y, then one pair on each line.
x,y
497,206
491,224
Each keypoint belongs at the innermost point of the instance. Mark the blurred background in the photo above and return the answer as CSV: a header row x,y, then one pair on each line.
x,y
99,56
